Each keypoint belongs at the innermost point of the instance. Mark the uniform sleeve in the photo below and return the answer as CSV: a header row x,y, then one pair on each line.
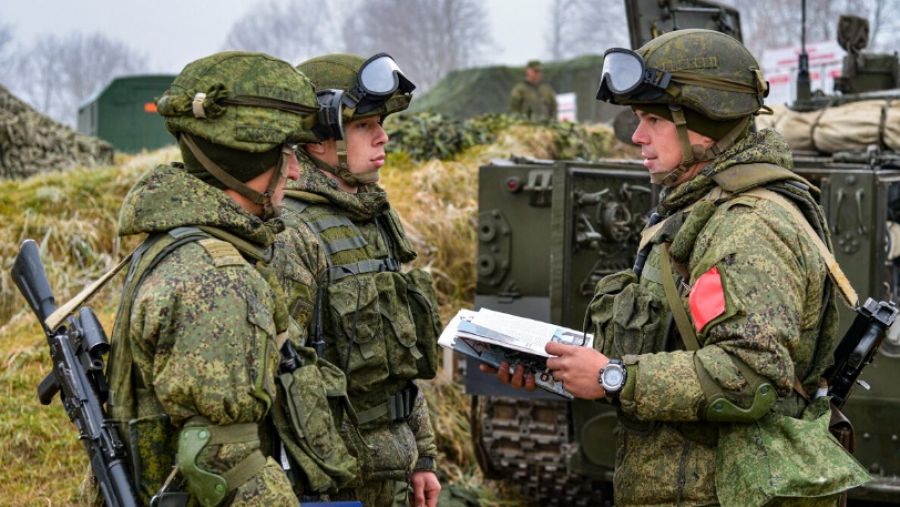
x,y
517,100
300,264
420,424
550,97
209,334
771,290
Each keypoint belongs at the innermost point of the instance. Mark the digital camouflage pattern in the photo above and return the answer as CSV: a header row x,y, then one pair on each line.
x,y
200,336
774,322
535,102
393,336
241,76
694,54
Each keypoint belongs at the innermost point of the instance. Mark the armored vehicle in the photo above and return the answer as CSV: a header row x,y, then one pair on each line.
x,y
549,230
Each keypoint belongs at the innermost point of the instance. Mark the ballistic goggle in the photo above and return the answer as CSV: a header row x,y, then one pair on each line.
x,y
378,80
625,73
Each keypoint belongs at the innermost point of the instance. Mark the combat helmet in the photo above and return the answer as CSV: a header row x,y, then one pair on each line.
x,y
703,80
350,87
233,112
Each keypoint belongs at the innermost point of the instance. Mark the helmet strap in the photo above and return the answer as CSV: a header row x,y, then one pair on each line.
x,y
263,199
342,169
692,154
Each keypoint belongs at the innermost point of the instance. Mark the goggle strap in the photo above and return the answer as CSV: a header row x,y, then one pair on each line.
x,y
281,105
220,174
716,83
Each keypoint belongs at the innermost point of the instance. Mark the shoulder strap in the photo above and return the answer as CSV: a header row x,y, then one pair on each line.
x,y
682,322
742,177
837,275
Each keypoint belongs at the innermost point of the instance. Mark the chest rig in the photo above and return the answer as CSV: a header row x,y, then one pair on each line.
x,y
366,316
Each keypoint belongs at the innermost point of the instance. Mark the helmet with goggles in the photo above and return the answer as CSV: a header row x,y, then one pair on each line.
x,y
704,70
704,80
351,88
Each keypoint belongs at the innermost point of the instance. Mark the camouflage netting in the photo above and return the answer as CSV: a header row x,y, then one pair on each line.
x,y
471,92
428,135
31,143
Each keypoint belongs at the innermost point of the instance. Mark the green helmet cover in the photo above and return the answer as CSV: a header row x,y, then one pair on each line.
x,y
339,71
246,101
695,55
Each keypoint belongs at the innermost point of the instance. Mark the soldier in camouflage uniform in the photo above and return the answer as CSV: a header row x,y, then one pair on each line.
x,y
531,98
196,341
340,260
712,350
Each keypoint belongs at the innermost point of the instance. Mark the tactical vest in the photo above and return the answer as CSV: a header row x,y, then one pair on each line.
x,y
380,325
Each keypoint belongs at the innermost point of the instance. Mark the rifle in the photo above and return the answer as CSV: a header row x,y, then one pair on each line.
x,y
874,320
77,347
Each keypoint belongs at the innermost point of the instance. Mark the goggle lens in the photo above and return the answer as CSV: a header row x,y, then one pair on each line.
x,y
378,76
622,70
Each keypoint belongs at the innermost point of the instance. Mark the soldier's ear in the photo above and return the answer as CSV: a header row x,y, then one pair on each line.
x,y
315,148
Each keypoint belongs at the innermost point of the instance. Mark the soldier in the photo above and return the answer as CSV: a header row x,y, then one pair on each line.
x,y
531,98
197,337
340,260
712,349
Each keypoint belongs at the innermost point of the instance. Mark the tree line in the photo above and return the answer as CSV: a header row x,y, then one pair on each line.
x,y
57,73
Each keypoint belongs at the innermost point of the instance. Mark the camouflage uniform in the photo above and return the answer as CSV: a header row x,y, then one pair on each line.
x,y
339,259
771,318
390,328
196,342
534,101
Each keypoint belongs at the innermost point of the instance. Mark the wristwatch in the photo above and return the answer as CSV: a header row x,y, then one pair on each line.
x,y
612,377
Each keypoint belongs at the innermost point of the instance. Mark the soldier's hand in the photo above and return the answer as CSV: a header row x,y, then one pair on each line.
x,y
578,368
518,379
426,489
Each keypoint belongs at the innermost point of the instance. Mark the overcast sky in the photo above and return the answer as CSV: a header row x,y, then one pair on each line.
x,y
174,32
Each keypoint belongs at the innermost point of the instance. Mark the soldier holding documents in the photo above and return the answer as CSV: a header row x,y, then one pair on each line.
x,y
713,346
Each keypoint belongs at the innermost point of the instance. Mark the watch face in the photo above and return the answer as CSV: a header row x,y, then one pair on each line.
x,y
613,376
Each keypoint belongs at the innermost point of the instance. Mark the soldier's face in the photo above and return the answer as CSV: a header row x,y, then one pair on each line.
x,y
533,75
658,139
365,145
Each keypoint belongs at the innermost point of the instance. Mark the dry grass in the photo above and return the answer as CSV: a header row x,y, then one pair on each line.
x,y
73,215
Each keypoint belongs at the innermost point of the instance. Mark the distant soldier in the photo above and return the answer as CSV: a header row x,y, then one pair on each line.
x,y
531,98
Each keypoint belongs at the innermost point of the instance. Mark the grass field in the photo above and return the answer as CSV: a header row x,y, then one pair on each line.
x,y
73,217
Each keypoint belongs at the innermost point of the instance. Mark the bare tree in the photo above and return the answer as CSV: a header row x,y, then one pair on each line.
x,y
57,73
557,37
429,38
293,30
580,27
760,18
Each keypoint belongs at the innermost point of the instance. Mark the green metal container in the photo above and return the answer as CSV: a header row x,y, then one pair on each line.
x,y
124,113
